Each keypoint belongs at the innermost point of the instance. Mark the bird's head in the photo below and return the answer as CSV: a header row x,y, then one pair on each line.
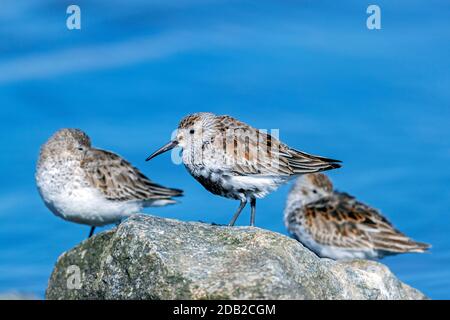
x,y
312,187
193,131
66,143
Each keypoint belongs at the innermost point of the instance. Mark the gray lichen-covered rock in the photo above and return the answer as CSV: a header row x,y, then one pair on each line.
x,y
154,258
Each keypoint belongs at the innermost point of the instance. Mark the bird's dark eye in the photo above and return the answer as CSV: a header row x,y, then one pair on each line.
x,y
314,191
191,131
80,148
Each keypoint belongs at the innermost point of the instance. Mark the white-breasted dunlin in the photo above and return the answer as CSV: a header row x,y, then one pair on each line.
x,y
90,186
335,225
234,160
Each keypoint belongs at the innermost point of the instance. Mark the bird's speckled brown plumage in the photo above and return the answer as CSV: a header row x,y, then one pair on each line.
x,y
334,221
118,180
235,160
86,185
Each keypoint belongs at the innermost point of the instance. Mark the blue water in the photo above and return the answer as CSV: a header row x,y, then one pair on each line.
x,y
378,100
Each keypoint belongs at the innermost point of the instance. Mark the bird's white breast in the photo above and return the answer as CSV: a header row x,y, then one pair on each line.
x,y
260,185
67,194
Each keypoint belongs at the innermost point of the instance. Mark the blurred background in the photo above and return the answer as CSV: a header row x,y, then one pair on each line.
x,y
377,99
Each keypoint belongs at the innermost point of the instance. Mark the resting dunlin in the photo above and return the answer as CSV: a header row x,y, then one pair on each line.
x,y
234,160
91,186
335,225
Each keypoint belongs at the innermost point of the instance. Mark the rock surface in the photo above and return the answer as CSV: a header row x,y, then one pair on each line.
x,y
148,257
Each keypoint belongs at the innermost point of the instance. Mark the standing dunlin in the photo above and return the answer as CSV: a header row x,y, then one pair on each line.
x,y
335,225
91,186
234,160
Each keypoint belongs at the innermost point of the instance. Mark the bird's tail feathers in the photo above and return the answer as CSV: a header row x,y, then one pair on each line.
x,y
400,245
303,162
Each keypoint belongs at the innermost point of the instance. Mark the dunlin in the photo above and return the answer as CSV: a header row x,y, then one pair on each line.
x,y
90,186
335,225
234,160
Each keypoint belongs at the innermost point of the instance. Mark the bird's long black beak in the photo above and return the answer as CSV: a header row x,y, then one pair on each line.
x,y
169,146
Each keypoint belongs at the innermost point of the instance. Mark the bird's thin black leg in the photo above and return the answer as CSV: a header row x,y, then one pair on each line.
x,y
238,212
91,232
253,211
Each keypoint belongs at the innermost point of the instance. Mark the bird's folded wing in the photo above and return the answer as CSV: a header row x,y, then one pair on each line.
x,y
250,151
118,180
342,221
